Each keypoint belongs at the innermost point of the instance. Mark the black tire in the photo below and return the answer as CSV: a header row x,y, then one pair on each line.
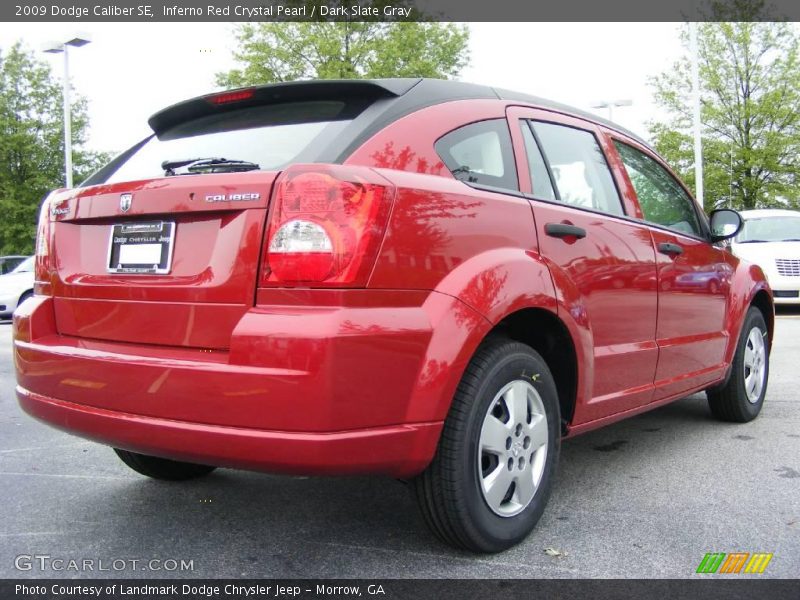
x,y
162,468
449,492
730,401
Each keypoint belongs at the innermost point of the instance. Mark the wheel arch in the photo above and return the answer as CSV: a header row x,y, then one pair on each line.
x,y
763,302
546,333
503,291
759,297
748,288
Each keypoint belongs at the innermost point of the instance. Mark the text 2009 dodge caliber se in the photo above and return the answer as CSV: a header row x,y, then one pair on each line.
x,y
430,280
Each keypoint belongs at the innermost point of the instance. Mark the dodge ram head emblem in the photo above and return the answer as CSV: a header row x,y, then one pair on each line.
x,y
125,201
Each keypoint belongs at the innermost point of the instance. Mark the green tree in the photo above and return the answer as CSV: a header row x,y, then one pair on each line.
x,y
271,52
750,114
31,144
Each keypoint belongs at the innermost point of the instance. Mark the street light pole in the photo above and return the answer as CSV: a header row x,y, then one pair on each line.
x,y
698,141
67,121
63,47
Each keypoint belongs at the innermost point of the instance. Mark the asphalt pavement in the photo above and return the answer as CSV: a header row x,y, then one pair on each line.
x,y
644,498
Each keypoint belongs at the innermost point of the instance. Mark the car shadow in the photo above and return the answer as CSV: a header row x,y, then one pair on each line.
x,y
259,520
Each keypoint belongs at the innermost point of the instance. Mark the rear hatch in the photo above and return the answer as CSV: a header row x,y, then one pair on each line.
x,y
173,269
163,245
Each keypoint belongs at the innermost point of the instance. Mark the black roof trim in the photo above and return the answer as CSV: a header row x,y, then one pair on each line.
x,y
411,94
567,110
428,92
362,89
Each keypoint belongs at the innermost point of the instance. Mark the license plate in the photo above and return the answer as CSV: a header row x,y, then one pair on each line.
x,y
141,247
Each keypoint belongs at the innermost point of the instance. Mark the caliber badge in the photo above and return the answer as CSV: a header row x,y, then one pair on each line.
x,y
233,197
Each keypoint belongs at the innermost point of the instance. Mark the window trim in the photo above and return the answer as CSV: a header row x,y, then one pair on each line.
x,y
702,218
543,154
512,161
594,135
625,218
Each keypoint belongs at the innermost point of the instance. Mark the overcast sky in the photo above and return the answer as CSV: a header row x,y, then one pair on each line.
x,y
131,70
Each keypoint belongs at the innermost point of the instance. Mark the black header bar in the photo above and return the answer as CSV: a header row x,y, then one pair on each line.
x,y
704,586
399,10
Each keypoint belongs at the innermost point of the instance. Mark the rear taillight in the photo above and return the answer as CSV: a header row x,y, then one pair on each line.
x,y
41,285
326,226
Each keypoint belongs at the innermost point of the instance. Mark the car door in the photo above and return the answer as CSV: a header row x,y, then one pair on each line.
x,y
602,263
693,276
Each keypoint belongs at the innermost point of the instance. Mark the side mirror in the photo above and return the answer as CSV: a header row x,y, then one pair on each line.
x,y
725,223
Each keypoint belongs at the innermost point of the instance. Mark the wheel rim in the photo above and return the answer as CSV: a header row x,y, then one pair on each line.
x,y
512,448
754,365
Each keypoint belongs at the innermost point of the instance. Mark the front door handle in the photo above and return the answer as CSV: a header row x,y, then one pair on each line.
x,y
563,230
670,249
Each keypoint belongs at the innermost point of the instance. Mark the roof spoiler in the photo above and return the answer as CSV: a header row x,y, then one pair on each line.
x,y
295,91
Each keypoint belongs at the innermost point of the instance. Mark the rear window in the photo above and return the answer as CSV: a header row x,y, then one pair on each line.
x,y
271,136
480,153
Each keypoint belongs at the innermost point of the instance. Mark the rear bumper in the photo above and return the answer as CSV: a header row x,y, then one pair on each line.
x,y
399,451
357,388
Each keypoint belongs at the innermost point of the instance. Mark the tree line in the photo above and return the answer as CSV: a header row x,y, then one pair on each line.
x,y
750,104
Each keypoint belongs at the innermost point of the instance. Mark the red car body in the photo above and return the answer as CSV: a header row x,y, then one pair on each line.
x,y
217,362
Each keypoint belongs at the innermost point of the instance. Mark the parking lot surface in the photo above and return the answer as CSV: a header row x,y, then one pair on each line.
x,y
647,497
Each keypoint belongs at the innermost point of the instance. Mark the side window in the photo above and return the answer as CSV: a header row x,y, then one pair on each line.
x,y
480,153
662,199
540,178
579,167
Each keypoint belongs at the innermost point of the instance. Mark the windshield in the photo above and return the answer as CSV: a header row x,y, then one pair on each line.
x,y
269,136
770,229
26,266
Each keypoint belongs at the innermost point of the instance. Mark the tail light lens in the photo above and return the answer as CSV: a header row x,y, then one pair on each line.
x,y
326,226
41,285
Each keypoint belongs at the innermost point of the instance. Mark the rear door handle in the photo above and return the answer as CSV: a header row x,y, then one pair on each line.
x,y
562,230
670,249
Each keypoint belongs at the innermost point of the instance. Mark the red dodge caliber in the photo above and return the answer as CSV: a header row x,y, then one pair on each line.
x,y
430,280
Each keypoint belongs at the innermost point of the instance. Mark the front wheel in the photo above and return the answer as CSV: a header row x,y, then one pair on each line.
x,y
491,477
741,397
162,468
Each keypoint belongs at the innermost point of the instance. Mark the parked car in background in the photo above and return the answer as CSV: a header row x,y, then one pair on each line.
x,y
9,263
16,287
430,280
770,238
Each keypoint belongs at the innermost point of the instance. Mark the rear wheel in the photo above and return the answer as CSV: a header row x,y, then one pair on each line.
x,y
491,477
741,397
162,468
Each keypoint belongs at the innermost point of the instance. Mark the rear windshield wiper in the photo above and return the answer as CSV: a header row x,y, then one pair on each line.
x,y
753,242
464,173
208,165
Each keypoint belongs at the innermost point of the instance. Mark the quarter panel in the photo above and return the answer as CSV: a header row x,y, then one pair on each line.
x,y
437,224
407,144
